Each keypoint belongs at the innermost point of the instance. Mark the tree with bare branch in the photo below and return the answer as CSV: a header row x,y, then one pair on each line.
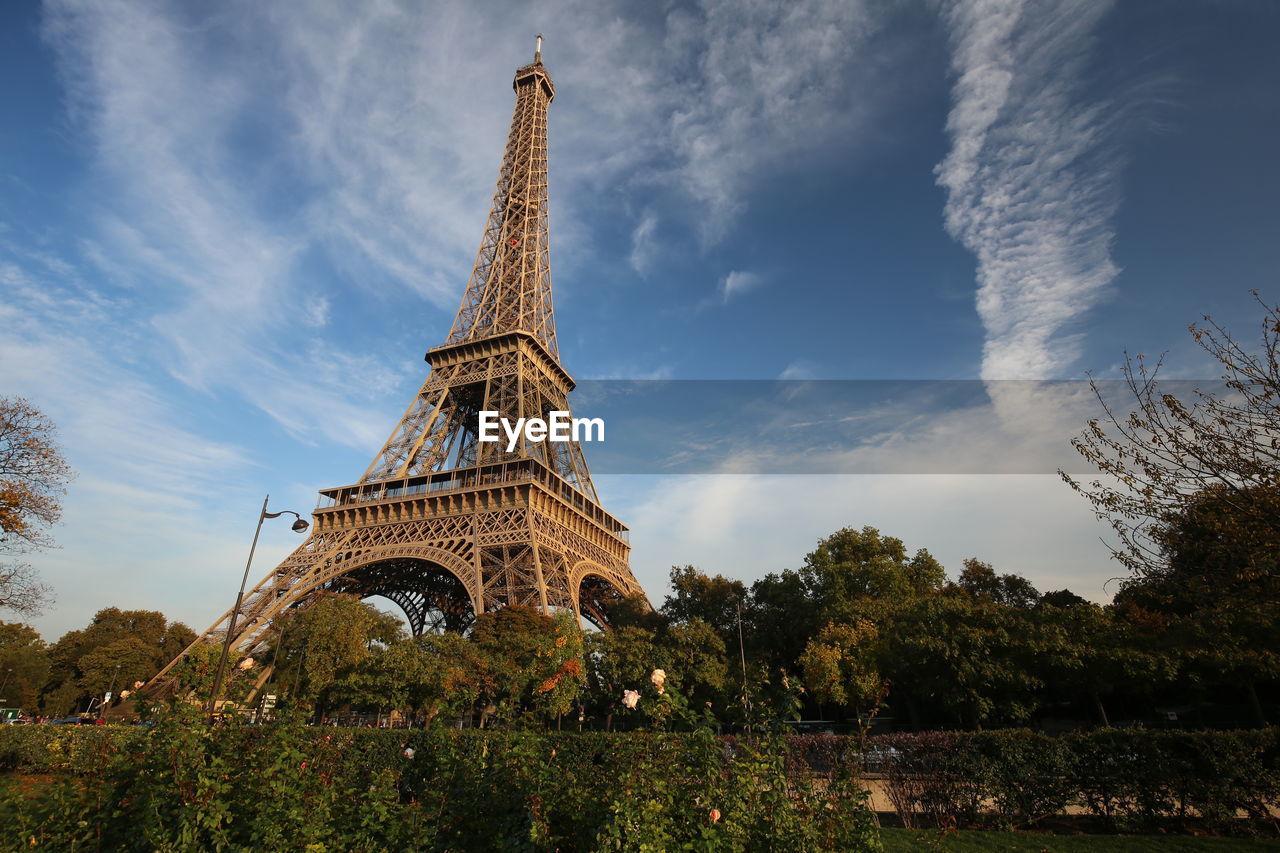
x,y
1168,460
33,478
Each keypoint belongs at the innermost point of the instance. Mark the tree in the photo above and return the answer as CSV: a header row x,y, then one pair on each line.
x,y
452,676
24,665
433,675
973,658
82,662
713,600
1235,646
980,580
842,666
122,662
534,662
635,610
853,564
618,660
1207,556
1217,594
1062,598
327,640
1163,457
33,478
694,658
1093,652
780,619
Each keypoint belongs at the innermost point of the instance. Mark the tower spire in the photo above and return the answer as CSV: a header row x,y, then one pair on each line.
x,y
537,50
510,285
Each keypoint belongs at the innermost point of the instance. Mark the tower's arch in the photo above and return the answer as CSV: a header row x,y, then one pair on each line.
x,y
433,598
597,590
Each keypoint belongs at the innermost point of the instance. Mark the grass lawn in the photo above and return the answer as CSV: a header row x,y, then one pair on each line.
x,y
902,840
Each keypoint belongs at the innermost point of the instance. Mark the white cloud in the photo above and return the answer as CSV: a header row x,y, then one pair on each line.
x,y
644,245
1031,180
736,283
138,514
315,312
799,369
233,150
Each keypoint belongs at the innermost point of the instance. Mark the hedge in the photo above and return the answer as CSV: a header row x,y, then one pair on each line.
x,y
1130,778
571,791
184,787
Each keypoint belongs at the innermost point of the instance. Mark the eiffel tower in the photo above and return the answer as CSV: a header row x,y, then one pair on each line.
x,y
443,524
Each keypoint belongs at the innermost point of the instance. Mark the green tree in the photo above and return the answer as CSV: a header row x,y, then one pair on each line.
x,y
1207,557
1217,592
842,666
1093,652
635,610
82,662
851,565
696,595
453,679
1235,647
118,664
194,674
617,661
329,639
24,665
1062,598
974,659
430,676
780,619
693,656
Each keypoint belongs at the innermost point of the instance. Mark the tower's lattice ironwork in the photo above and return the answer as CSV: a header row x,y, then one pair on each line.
x,y
441,523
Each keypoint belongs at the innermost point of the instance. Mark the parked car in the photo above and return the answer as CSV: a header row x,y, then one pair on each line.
x,y
73,721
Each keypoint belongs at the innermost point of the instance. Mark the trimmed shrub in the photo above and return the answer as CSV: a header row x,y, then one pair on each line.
x,y
185,787
1129,777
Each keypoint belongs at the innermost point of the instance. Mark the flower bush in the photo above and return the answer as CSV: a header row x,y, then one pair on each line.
x,y
183,786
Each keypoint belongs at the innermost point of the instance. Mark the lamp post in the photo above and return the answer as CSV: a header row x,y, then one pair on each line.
x,y
3,684
742,656
298,526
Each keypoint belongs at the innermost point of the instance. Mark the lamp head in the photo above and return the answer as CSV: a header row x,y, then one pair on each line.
x,y
300,525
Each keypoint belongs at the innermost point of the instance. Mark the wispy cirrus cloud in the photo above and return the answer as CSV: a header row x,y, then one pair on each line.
x,y
1031,175
259,172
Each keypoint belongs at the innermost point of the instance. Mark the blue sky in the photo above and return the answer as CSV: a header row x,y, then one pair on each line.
x,y
229,231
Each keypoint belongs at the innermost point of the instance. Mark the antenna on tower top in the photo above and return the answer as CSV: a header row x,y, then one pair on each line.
x,y
537,51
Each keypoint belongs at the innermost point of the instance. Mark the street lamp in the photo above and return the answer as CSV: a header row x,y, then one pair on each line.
x,y
3,684
298,526
742,656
